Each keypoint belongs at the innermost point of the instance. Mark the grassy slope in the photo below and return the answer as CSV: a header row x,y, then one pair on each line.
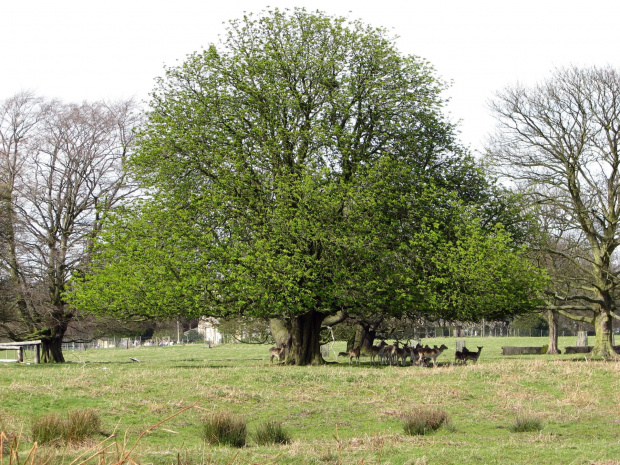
x,y
336,413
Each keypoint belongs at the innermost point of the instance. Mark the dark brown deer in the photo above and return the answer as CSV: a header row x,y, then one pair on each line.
x,y
459,357
469,355
276,352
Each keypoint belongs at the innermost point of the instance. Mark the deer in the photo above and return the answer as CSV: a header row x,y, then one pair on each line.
x,y
459,356
431,354
401,354
354,353
376,351
275,352
469,355
386,354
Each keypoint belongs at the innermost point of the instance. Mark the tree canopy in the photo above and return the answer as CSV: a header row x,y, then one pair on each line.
x,y
302,169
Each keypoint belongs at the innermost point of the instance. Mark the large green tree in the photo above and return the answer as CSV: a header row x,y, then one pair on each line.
x,y
301,170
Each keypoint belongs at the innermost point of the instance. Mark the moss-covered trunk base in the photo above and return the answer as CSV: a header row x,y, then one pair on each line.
x,y
603,344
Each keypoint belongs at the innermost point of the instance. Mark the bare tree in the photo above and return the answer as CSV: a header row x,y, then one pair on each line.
x,y
61,173
558,143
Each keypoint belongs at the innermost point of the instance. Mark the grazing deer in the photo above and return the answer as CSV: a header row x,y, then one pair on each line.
x,y
275,352
431,354
469,355
376,351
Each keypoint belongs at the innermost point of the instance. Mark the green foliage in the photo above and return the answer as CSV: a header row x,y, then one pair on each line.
x,y
193,336
224,429
301,165
530,321
271,432
423,420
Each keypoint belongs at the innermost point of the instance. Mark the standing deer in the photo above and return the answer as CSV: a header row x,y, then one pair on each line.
x,y
431,354
459,356
376,351
401,354
354,353
468,355
386,354
275,352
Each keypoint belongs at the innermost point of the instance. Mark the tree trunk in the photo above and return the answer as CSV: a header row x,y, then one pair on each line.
x,y
359,336
305,347
51,350
280,332
603,344
51,343
552,319
368,341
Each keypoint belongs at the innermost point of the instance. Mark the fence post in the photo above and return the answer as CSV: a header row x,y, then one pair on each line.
x,y
582,339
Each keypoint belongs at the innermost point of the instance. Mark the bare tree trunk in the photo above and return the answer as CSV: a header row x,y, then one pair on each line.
x,y
552,319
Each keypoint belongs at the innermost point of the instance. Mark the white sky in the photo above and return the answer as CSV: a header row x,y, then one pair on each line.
x,y
107,49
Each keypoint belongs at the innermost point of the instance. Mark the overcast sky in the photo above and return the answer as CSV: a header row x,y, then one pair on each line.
x,y
108,49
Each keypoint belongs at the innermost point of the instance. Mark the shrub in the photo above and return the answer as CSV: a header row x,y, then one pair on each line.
x,y
271,432
82,424
79,425
526,424
48,429
424,420
224,429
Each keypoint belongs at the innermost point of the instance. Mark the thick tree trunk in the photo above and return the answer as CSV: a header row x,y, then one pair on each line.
x,y
51,350
368,341
603,344
305,348
552,319
51,343
280,332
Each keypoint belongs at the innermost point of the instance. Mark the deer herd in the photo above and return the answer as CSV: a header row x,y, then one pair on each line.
x,y
385,354
420,355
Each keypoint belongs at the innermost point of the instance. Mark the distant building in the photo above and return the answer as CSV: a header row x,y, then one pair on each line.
x,y
207,326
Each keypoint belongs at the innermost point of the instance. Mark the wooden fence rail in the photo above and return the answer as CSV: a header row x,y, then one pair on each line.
x,y
19,348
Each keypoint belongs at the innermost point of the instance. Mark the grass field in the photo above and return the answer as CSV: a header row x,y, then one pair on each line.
x,y
335,414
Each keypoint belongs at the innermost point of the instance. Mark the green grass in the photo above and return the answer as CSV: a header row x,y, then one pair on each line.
x,y
334,414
